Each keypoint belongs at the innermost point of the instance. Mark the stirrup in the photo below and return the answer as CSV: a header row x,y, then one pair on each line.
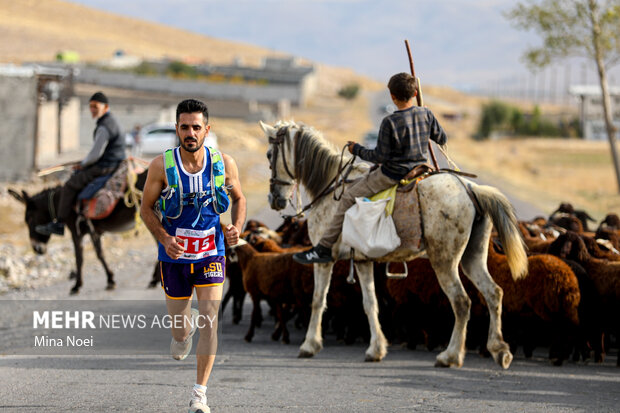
x,y
396,275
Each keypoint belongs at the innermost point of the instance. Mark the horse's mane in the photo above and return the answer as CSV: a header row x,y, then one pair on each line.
x,y
317,160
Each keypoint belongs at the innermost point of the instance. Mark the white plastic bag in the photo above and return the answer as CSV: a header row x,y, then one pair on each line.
x,y
367,228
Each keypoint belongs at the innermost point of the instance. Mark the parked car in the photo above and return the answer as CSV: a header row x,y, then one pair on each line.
x,y
155,138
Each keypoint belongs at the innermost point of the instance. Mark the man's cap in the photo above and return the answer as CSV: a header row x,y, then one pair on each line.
x,y
99,97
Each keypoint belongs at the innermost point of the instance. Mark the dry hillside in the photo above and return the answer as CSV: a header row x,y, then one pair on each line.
x,y
35,30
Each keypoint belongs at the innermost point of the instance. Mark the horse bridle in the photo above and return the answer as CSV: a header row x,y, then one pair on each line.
x,y
278,143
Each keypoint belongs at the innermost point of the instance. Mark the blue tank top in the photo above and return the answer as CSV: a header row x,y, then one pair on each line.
x,y
202,236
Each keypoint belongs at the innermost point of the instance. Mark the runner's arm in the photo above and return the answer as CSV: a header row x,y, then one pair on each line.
x,y
155,183
238,208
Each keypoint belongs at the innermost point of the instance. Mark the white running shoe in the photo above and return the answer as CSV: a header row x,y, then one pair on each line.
x,y
198,404
180,350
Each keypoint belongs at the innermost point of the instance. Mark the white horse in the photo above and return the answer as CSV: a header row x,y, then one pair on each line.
x,y
452,234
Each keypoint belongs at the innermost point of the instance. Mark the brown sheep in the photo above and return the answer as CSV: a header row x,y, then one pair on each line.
x,y
610,234
567,209
422,311
274,277
537,245
594,248
345,310
611,221
294,231
235,286
570,223
536,235
302,286
550,293
253,225
604,274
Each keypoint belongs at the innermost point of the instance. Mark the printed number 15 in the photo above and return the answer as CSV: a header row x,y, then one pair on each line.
x,y
196,244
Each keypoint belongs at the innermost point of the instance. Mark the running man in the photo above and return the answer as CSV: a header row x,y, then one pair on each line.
x,y
183,197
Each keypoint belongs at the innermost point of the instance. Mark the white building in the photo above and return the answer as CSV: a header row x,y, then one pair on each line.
x,y
591,110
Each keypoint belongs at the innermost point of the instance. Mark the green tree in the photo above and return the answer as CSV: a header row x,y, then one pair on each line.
x,y
495,114
180,69
569,28
349,92
534,122
145,69
516,120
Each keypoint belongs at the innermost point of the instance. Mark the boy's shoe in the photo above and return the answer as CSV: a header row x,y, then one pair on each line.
x,y
318,254
180,350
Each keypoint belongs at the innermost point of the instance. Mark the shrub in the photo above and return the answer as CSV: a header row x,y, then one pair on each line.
x,y
500,117
349,92
180,69
495,114
146,69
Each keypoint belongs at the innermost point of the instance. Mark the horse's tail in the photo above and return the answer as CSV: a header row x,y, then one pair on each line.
x,y
497,206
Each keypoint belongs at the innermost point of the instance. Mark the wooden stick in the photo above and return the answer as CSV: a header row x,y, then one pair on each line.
x,y
55,168
419,99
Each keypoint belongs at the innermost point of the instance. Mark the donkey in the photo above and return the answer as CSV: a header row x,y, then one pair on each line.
x,y
40,209
453,233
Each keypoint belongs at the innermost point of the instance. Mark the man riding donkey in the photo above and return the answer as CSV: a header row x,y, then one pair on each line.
x,y
402,144
105,156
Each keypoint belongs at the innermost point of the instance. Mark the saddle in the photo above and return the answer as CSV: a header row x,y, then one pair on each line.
x,y
415,175
405,205
406,214
99,198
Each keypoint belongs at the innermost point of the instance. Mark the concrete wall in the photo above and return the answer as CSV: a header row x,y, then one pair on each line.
x,y
210,91
47,133
17,126
70,126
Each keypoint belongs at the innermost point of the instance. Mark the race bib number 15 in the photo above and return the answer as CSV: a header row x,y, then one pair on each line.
x,y
198,244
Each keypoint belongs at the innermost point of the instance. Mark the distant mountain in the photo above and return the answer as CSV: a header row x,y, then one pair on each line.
x,y
35,30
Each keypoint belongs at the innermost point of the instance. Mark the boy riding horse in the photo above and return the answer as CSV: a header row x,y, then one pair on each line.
x,y
402,144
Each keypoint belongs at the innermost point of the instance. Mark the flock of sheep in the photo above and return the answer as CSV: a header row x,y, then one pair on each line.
x,y
569,302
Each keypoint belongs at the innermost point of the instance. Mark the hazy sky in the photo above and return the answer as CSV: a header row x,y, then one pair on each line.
x,y
462,43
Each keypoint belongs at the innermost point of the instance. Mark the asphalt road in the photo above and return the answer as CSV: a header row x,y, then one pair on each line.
x,y
266,376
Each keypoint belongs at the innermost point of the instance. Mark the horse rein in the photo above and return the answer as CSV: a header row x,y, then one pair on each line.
x,y
50,205
344,176
332,185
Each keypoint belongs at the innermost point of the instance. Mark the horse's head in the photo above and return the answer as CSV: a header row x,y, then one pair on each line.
x,y
37,213
281,156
